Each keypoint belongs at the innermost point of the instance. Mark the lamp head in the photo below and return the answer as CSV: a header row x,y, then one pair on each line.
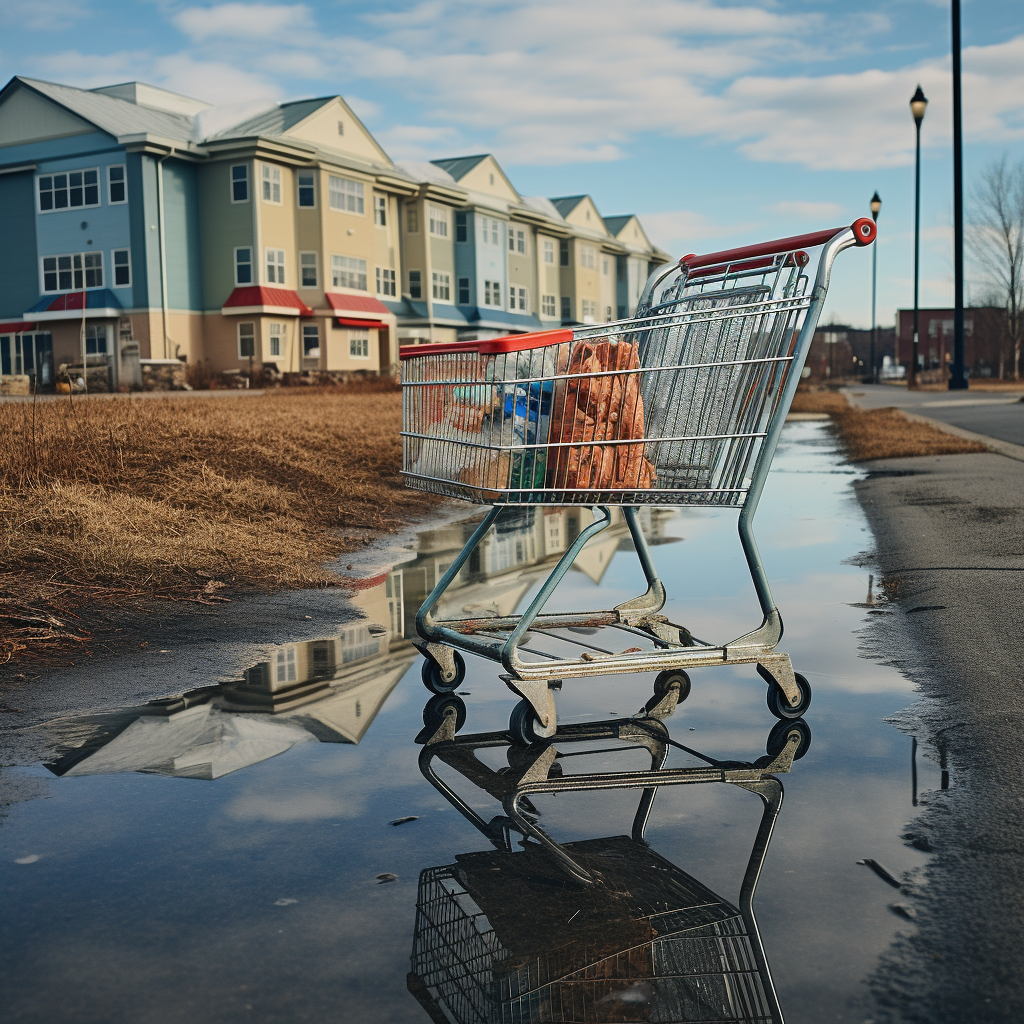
x,y
918,103
876,205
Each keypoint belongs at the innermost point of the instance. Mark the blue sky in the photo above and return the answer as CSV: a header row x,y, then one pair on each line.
x,y
718,122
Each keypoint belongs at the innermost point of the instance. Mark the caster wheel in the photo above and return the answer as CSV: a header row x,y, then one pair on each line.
x,y
672,679
780,734
778,703
523,725
430,673
436,708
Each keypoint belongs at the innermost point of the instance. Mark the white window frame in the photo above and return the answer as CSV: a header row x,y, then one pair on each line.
x,y
517,295
521,241
81,269
549,306
299,175
362,337
492,294
238,336
111,201
337,269
588,308
232,179
349,193
270,190
114,266
491,231
441,286
97,331
273,265
238,249
304,265
549,251
588,257
380,211
276,332
438,220
309,330
386,282
67,174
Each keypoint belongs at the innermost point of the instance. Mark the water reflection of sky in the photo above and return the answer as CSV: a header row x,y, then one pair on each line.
x,y
225,868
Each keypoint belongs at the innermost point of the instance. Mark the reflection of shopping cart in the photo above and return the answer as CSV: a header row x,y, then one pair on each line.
x,y
499,938
681,405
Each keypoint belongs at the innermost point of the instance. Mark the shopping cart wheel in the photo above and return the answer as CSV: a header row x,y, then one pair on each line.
x,y
778,702
430,673
672,679
523,725
780,734
436,708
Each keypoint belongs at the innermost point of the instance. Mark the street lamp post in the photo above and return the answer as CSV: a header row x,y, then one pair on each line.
x,y
918,103
958,373
876,205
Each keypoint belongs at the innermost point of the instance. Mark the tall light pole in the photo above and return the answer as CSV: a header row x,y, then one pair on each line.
x,y
918,104
876,205
958,373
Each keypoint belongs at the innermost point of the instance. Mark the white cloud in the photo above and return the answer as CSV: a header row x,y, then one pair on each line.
x,y
242,21
43,15
677,230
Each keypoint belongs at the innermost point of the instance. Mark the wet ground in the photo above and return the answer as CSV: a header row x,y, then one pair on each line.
x,y
253,847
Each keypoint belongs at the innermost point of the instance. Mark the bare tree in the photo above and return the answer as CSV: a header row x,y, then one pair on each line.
x,y
996,240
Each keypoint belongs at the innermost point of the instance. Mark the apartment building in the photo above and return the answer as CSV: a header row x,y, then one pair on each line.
x,y
139,222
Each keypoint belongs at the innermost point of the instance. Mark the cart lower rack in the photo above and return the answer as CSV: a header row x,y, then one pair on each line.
x,y
682,404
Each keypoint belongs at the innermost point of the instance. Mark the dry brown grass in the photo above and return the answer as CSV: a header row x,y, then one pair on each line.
x,y
818,400
123,500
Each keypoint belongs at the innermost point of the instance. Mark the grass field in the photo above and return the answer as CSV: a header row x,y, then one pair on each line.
x,y
122,500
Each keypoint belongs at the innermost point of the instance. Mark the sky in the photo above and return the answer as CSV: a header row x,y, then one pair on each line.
x,y
718,122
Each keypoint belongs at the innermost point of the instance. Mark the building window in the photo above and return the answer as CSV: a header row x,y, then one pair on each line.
x,y
243,266
117,188
121,260
492,293
415,285
563,252
345,194
69,191
566,309
588,257
72,272
412,220
607,313
517,298
359,344
516,240
240,183
310,343
96,339
511,240
463,291
341,127
348,272
307,188
246,341
547,305
276,334
308,270
549,251
275,266
604,266
588,307
385,281
442,286
439,221
271,184
491,231
461,229
380,211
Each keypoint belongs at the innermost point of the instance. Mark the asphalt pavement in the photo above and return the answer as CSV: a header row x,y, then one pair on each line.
x,y
998,414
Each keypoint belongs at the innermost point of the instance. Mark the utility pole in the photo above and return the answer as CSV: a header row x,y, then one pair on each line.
x,y
958,372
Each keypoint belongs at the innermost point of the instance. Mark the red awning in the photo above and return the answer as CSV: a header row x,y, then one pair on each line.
x,y
352,321
257,299
357,306
17,327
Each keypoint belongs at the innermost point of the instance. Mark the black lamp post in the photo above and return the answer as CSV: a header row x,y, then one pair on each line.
x,y
918,104
958,373
876,205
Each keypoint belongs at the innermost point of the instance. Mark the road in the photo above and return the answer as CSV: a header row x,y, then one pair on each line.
x,y
995,414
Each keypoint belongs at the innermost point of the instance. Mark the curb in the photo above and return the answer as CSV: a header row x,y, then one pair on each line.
x,y
1011,451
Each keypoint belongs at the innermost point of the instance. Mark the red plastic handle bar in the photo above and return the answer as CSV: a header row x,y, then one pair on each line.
x,y
492,346
864,232
799,258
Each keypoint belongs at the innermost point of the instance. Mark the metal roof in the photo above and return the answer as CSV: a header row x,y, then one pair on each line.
x,y
276,121
111,115
566,204
459,166
616,224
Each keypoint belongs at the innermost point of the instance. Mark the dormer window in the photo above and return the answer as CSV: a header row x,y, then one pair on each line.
x,y
341,127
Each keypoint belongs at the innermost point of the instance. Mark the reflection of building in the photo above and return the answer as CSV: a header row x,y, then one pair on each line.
x,y
518,553
326,690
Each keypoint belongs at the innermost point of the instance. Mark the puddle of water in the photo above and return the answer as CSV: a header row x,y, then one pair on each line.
x,y
232,852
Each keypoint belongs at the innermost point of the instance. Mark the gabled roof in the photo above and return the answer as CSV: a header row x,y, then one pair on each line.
x,y
541,204
459,166
109,114
275,121
616,224
566,204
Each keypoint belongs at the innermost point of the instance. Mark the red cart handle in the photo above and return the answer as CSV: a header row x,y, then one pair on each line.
x,y
864,232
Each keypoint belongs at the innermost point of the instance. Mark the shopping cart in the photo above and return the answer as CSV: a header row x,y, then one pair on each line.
x,y
499,938
683,404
